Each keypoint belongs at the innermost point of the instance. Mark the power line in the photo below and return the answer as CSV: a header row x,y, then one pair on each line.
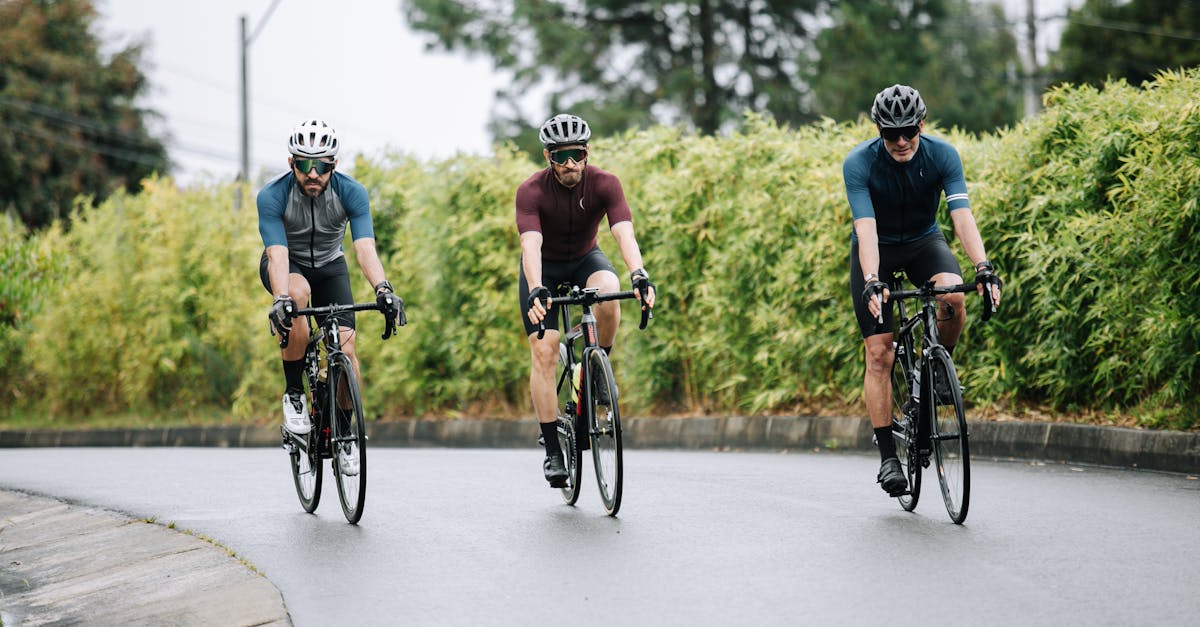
x,y
74,142
1132,27
70,121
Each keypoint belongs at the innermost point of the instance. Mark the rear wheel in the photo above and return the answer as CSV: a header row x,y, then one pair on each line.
x,y
568,436
950,449
572,456
904,427
605,427
348,438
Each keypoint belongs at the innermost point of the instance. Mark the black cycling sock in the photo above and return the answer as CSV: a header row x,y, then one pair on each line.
x,y
550,435
887,444
293,375
607,350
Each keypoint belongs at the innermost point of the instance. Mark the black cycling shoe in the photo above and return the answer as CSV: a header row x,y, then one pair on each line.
x,y
945,393
555,470
891,477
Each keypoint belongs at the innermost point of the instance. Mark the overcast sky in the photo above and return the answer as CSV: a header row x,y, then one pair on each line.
x,y
354,63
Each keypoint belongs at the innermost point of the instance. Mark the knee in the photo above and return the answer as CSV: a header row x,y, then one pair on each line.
x,y
300,294
879,358
606,281
544,353
954,306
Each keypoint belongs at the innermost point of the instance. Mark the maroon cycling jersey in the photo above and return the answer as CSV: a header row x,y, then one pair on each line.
x,y
568,218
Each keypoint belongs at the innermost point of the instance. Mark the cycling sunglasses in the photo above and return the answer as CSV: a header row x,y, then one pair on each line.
x,y
574,154
307,165
893,133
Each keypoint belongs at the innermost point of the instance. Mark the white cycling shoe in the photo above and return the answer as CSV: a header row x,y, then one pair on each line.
x,y
295,414
348,460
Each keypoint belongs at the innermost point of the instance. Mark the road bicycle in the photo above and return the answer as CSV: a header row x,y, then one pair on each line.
x,y
335,407
928,419
588,413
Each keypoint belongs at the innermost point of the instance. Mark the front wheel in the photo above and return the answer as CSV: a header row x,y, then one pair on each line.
x,y
604,424
949,437
348,438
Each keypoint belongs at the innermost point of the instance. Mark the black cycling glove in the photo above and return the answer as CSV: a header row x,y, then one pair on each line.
x,y
985,274
281,314
874,287
541,293
642,283
391,306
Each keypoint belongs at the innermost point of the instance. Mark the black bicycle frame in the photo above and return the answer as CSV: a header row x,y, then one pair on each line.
x,y
586,329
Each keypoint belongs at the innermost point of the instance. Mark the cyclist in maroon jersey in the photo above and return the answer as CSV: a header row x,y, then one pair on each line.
x,y
559,210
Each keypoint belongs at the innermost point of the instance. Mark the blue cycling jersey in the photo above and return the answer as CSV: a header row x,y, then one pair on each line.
x,y
312,228
903,197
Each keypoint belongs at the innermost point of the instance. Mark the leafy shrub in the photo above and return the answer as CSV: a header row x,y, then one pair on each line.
x,y
1090,212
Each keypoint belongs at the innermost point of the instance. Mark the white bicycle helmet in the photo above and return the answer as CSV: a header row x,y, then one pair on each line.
x,y
897,106
313,138
564,129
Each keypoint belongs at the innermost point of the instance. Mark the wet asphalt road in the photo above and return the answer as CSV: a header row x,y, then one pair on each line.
x,y
458,536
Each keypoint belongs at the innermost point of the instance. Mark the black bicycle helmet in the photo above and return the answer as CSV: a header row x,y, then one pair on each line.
x,y
898,106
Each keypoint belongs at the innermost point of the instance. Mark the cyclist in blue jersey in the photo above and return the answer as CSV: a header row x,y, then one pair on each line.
x,y
302,217
894,184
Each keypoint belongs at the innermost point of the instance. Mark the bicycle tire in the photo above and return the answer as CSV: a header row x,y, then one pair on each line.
x,y
604,425
305,461
572,457
347,434
568,436
904,427
951,449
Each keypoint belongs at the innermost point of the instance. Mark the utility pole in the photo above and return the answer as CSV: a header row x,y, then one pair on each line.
x,y
1033,74
244,46
244,173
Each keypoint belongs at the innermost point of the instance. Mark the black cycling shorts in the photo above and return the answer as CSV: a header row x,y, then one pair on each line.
x,y
919,260
555,273
330,284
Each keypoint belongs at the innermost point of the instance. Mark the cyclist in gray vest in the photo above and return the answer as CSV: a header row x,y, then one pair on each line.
x,y
302,217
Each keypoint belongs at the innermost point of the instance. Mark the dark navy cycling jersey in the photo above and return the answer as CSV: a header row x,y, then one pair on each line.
x,y
903,197
312,228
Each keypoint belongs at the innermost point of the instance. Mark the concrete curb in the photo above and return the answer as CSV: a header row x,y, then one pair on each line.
x,y
1168,451
68,564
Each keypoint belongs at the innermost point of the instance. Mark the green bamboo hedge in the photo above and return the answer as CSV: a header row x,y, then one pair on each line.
x,y
1089,212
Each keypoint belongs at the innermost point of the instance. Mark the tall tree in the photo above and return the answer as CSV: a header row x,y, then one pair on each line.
x,y
961,56
626,63
70,123
1130,39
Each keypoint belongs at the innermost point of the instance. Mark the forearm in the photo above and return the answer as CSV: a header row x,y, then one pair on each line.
x,y
278,269
531,258
868,246
368,261
627,242
968,234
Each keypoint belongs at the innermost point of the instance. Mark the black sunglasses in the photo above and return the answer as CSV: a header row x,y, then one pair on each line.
x,y
574,154
895,132
307,165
